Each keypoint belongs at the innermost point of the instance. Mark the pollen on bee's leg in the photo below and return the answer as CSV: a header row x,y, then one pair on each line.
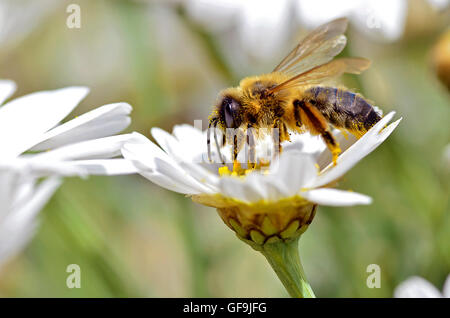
x,y
335,151
332,145
237,168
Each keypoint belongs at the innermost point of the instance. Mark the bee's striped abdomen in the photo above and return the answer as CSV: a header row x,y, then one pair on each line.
x,y
343,108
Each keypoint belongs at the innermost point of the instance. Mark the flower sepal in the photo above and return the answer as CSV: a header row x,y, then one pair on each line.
x,y
263,222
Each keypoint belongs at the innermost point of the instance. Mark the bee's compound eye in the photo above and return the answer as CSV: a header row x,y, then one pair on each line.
x,y
230,109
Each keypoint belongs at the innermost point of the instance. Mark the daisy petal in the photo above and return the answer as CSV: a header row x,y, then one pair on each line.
x,y
101,122
446,288
163,181
180,175
257,182
416,287
187,134
238,189
17,230
168,143
24,166
7,88
201,174
333,197
8,187
106,167
25,119
148,157
293,171
365,145
101,148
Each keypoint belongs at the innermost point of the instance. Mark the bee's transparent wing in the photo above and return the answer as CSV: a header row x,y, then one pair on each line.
x,y
354,65
317,48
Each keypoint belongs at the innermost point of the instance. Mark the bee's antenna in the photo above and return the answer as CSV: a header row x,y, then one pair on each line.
x,y
217,143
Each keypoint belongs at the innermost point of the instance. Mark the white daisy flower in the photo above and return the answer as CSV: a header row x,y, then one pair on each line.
x,y
268,206
417,287
289,189
33,145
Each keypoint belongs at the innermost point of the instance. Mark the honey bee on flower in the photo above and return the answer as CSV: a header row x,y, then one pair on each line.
x,y
291,99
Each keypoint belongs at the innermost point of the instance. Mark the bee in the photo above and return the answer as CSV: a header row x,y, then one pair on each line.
x,y
292,99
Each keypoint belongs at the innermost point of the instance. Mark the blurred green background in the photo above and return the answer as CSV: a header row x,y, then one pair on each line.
x,y
134,239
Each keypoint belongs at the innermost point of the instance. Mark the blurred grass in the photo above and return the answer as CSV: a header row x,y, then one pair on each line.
x,y
133,239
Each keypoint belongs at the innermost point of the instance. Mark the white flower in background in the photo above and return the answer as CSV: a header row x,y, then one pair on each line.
x,y
34,145
288,189
261,25
381,19
20,17
417,287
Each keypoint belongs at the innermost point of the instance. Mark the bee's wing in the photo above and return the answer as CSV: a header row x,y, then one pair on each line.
x,y
317,48
318,74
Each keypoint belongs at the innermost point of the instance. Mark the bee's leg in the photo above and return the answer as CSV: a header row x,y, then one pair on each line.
x,y
332,144
208,142
238,143
224,140
277,137
252,146
213,123
317,125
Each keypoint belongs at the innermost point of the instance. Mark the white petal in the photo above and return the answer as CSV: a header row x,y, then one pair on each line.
x,y
8,188
101,122
446,288
145,151
239,189
43,168
293,171
151,159
24,166
7,88
43,193
25,119
365,145
101,148
17,230
188,135
164,181
333,197
201,174
416,287
258,185
274,192
181,176
106,167
168,143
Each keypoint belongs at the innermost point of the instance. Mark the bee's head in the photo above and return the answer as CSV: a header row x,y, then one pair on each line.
x,y
229,110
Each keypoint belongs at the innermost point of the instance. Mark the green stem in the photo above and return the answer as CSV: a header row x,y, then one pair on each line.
x,y
285,261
